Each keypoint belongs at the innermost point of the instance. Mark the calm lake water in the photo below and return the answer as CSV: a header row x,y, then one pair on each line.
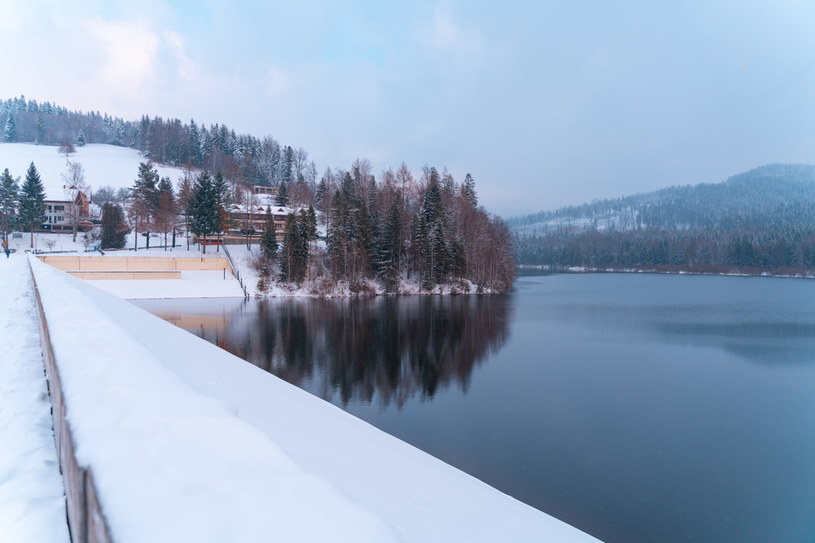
x,y
638,408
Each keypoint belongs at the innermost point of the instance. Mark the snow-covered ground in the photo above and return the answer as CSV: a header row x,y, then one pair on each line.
x,y
193,284
244,259
103,165
188,442
32,502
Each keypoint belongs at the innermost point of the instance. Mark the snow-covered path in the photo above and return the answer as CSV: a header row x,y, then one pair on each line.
x,y
32,501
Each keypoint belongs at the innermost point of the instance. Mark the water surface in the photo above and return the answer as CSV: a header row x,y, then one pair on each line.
x,y
638,408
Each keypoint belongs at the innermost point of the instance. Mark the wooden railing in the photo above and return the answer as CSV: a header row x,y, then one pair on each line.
x,y
86,520
236,273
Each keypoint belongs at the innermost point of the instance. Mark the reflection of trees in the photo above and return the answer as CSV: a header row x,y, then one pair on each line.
x,y
394,347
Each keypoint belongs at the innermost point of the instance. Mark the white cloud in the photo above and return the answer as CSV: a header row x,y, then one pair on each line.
x,y
451,36
185,67
130,53
15,15
280,83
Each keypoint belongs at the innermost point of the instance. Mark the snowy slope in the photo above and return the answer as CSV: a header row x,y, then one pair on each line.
x,y
103,164
188,442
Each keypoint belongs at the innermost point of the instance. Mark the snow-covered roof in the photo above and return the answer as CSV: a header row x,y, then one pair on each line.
x,y
261,209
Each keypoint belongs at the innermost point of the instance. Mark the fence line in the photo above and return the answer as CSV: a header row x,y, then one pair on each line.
x,y
235,272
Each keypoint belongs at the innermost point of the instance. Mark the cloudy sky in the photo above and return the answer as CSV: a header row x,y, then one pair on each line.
x,y
546,103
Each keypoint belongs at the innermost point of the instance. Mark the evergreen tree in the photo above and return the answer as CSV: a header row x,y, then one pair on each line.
x,y
221,189
349,191
9,192
203,209
468,191
321,193
42,129
282,196
114,228
145,187
432,207
80,138
32,201
183,203
364,235
439,257
338,236
311,222
268,241
144,200
389,248
11,129
301,247
288,166
429,236
294,254
195,144
420,250
448,183
221,192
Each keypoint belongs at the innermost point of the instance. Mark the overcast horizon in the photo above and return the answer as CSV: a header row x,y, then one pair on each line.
x,y
545,104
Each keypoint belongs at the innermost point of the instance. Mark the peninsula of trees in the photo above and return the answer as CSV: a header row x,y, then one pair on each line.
x,y
428,231
758,222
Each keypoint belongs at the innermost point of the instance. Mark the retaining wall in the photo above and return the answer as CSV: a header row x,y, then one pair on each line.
x,y
125,263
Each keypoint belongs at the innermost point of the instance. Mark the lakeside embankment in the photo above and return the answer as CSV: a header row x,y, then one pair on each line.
x,y
224,272
189,442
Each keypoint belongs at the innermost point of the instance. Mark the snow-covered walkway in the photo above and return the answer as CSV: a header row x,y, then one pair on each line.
x,y
32,501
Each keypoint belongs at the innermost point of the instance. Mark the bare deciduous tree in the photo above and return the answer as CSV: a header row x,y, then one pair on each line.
x,y
66,148
76,190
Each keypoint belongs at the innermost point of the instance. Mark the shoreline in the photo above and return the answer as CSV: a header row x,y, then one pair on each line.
x,y
239,281
669,270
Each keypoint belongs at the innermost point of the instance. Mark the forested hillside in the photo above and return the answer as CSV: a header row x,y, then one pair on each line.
x,y
254,160
426,229
759,221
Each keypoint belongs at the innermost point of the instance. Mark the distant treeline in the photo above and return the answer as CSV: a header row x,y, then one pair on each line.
x,y
760,221
686,249
216,148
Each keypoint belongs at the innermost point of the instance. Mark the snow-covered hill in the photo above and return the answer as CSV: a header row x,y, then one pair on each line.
x,y
103,165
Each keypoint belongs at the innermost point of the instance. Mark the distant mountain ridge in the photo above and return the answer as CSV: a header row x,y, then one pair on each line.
x,y
773,189
762,219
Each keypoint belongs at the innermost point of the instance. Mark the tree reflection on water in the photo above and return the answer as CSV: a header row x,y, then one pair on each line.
x,y
389,347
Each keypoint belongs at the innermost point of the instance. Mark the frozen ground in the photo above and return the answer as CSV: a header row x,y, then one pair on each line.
x,y
32,503
188,442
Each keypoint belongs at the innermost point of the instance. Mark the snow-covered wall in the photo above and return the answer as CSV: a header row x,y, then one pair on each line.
x,y
189,443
